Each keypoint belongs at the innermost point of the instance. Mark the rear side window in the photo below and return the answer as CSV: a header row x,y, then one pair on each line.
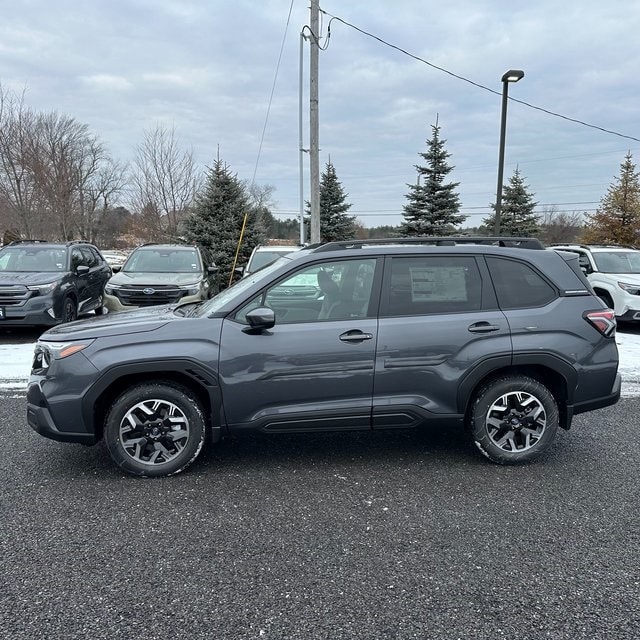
x,y
421,285
518,286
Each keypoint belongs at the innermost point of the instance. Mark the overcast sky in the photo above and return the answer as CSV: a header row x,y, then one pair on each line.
x,y
207,68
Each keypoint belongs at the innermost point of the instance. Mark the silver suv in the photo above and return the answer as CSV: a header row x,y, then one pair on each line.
x,y
492,334
614,273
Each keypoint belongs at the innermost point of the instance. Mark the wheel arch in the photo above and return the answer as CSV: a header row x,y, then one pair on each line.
x,y
116,380
557,381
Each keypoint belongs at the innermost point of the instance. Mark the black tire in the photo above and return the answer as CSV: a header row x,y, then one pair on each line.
x,y
155,429
69,310
513,419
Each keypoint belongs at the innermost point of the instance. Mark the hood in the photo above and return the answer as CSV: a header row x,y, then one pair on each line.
x,y
143,279
29,277
127,322
630,278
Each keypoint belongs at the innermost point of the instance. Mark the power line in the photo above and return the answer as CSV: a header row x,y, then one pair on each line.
x,y
273,88
475,84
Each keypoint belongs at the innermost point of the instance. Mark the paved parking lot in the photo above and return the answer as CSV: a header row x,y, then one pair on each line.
x,y
388,535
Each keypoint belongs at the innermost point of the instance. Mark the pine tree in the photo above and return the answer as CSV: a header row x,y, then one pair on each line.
x,y
516,216
434,206
617,219
335,224
217,219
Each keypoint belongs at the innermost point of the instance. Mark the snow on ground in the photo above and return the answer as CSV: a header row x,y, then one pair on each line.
x,y
15,364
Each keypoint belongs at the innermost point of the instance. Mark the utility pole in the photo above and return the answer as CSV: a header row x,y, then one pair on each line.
x,y
314,149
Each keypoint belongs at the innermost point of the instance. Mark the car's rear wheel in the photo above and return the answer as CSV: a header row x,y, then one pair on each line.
x,y
155,429
513,419
69,310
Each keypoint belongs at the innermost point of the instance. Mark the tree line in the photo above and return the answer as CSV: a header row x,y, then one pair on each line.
x,y
59,182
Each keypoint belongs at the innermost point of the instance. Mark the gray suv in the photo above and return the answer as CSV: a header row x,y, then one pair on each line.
x,y
46,283
488,333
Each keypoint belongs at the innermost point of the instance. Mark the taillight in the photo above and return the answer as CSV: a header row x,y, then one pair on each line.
x,y
604,320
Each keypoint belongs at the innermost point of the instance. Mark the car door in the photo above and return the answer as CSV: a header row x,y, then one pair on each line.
x,y
314,369
81,277
440,328
96,278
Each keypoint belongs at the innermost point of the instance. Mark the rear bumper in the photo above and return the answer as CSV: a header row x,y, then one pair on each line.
x,y
599,403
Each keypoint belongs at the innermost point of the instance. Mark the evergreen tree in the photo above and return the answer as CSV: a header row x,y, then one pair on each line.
x,y
434,207
617,219
217,219
335,224
516,216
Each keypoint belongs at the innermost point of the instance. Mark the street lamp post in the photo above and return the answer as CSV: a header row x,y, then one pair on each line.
x,y
513,75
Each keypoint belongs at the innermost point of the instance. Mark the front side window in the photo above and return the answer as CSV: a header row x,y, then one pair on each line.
x,y
420,285
518,286
337,290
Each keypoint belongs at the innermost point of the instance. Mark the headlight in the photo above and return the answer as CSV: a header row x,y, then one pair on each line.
x,y
46,352
633,289
191,289
43,289
60,350
111,288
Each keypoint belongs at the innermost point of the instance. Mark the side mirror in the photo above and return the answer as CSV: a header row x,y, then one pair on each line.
x,y
116,268
239,271
213,269
260,319
82,269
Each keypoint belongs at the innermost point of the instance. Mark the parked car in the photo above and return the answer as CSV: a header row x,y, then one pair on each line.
x,y
614,273
264,255
157,274
46,283
494,334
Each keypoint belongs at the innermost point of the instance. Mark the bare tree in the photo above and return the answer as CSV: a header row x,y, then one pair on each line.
x,y
560,226
165,180
99,193
18,189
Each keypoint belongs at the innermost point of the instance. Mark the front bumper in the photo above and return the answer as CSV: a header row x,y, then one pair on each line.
x,y
114,304
34,313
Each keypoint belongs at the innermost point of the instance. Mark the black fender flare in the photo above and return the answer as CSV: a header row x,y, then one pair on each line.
x,y
202,377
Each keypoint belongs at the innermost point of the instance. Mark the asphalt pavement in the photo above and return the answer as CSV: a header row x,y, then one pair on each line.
x,y
371,535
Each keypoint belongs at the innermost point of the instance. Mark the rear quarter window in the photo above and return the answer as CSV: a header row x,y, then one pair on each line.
x,y
518,286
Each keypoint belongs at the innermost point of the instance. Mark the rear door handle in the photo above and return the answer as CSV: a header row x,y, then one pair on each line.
x,y
355,336
483,327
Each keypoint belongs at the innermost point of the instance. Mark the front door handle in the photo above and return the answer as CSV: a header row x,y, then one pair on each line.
x,y
355,336
483,327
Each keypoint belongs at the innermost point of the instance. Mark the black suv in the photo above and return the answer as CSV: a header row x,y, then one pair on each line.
x,y
46,283
157,274
493,334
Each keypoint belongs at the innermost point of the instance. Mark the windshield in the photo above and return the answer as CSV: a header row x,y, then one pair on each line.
x,y
617,261
33,259
236,290
163,260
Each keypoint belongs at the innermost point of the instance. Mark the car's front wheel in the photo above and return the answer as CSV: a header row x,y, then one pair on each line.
x,y
69,310
155,429
513,419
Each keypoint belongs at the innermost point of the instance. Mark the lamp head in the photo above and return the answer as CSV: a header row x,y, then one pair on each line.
x,y
513,75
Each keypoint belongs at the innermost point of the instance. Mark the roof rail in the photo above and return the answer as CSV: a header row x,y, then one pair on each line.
x,y
438,241
594,246
27,241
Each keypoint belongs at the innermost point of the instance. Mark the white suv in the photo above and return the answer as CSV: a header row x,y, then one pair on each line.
x,y
614,274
